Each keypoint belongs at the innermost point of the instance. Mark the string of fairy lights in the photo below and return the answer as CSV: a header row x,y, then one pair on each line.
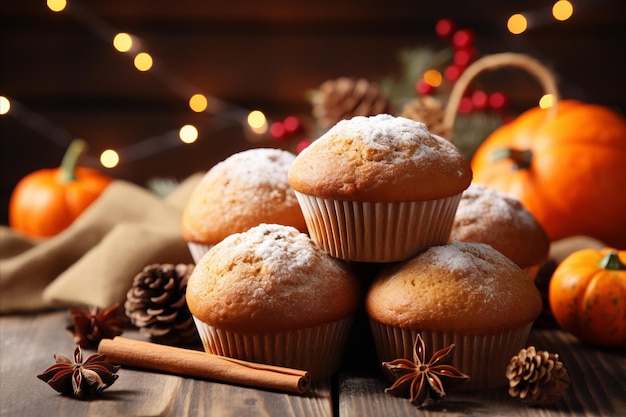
x,y
254,121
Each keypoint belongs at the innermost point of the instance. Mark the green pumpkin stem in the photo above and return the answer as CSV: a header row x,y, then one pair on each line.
x,y
612,262
67,170
520,157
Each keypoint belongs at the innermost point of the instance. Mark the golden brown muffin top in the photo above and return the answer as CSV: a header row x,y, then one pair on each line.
x,y
500,220
270,278
242,191
380,158
462,287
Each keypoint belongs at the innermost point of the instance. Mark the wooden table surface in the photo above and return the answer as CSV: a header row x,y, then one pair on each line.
x,y
28,343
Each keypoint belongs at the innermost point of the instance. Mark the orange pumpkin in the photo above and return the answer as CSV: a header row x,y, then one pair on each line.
x,y
47,201
568,171
587,296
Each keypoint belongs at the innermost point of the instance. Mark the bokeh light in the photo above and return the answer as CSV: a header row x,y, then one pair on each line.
x,y
188,134
517,24
57,5
109,158
198,103
546,101
562,10
5,105
257,122
143,61
123,42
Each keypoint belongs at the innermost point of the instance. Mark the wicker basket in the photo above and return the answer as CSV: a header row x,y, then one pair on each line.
x,y
494,62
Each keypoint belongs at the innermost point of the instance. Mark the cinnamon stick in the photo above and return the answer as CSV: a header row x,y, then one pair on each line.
x,y
140,354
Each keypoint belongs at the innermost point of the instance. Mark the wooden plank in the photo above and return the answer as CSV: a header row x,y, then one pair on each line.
x,y
597,389
29,343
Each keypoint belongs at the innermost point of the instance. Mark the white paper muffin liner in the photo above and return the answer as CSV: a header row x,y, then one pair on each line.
x,y
378,232
318,349
483,357
198,250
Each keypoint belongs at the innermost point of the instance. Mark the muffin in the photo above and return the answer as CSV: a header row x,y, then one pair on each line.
x,y
271,295
242,191
465,293
498,219
379,188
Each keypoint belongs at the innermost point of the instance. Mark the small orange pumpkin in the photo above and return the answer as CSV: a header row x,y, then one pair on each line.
x,y
587,296
47,201
568,171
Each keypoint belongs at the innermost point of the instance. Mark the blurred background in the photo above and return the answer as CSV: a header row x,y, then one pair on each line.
x,y
65,79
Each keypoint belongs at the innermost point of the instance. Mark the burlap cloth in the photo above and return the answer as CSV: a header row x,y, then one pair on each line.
x,y
93,262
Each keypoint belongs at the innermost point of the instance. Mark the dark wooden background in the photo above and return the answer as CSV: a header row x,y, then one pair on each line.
x,y
254,54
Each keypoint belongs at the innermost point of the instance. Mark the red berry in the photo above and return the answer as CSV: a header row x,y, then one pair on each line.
x,y
277,130
302,145
423,88
444,28
497,100
452,73
463,56
465,105
463,38
291,124
480,100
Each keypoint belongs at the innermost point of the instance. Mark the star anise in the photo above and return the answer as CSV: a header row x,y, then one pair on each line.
x,y
91,326
421,380
79,378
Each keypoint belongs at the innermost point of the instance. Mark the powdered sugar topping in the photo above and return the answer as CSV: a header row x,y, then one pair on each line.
x,y
392,139
480,202
479,266
253,180
257,165
283,248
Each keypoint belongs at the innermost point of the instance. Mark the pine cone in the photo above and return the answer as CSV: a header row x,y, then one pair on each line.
x,y
345,98
430,111
156,304
537,377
